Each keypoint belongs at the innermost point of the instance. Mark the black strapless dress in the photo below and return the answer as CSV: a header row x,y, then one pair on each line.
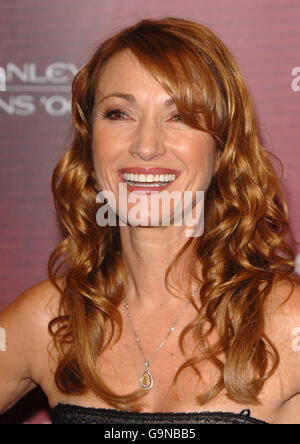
x,y
74,414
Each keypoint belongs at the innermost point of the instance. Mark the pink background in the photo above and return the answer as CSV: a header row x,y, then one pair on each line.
x,y
264,35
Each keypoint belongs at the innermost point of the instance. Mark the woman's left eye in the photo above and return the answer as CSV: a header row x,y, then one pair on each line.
x,y
115,114
178,118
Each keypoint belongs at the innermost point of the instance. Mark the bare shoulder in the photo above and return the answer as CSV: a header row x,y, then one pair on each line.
x,y
42,298
37,304
26,320
26,338
284,300
283,328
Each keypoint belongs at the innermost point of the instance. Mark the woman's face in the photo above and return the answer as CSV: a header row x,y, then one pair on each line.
x,y
137,131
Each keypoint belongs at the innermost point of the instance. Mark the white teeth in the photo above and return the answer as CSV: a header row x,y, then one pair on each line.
x,y
149,177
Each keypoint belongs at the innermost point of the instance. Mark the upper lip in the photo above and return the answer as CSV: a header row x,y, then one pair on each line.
x,y
149,170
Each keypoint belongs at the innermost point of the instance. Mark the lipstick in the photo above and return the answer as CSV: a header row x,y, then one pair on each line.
x,y
149,170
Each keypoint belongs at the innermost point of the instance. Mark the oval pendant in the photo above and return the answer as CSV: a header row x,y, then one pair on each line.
x,y
146,380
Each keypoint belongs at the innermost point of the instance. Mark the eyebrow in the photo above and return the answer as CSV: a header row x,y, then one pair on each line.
x,y
130,98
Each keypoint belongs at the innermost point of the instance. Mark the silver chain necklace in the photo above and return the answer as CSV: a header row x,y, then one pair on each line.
x,y
146,381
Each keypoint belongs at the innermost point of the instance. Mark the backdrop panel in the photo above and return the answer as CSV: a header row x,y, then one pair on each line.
x,y
43,44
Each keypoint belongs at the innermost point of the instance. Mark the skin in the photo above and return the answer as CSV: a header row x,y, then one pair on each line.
x,y
148,133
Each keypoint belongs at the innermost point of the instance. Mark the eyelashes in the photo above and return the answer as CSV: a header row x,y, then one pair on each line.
x,y
180,118
114,114
119,115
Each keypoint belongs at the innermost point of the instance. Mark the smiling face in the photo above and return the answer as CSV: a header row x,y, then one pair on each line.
x,y
137,130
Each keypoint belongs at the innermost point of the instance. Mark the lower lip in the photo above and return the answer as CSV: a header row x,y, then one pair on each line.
x,y
145,189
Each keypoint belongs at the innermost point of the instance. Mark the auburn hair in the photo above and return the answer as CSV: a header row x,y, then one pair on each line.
x,y
243,250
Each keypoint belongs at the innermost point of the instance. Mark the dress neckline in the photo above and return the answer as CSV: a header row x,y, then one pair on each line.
x,y
246,413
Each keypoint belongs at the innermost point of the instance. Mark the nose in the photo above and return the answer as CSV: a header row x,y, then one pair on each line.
x,y
148,141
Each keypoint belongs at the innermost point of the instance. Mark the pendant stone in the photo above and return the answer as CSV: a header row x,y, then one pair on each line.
x,y
146,380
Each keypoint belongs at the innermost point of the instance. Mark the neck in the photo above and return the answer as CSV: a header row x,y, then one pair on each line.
x,y
147,253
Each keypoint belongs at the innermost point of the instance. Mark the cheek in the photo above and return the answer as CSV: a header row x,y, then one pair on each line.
x,y
202,156
201,160
101,159
102,149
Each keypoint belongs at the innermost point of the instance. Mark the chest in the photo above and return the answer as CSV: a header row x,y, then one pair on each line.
x,y
122,365
150,361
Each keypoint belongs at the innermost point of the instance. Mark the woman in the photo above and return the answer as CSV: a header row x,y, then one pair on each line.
x,y
141,323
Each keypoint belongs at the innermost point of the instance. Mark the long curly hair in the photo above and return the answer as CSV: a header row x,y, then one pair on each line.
x,y
243,250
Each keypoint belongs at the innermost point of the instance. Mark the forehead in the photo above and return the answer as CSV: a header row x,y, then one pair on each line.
x,y
123,71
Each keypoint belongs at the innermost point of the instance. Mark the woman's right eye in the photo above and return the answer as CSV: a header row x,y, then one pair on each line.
x,y
114,114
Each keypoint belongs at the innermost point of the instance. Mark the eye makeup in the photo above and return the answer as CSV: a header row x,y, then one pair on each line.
x,y
114,114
